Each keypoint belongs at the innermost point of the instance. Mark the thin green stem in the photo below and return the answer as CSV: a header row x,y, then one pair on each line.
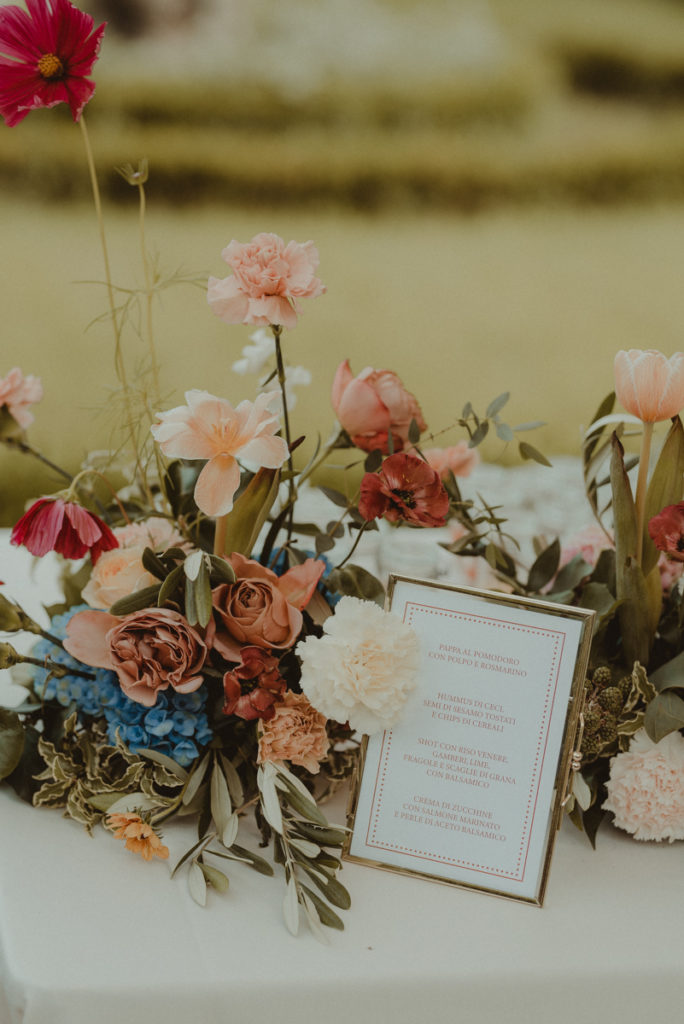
x,y
642,479
353,547
26,449
277,332
220,532
148,293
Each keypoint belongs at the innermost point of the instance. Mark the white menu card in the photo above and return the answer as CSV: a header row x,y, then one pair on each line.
x,y
467,787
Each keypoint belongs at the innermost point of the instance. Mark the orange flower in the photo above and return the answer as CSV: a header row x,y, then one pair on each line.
x,y
649,385
139,835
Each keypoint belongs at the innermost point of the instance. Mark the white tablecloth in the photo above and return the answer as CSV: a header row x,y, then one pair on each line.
x,y
91,933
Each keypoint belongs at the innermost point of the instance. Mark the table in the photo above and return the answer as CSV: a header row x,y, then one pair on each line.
x,y
88,932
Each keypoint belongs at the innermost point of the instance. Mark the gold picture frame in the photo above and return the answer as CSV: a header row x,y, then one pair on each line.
x,y
468,787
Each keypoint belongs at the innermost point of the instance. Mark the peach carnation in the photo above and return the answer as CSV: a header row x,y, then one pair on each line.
x,y
156,533
364,667
140,837
646,788
295,733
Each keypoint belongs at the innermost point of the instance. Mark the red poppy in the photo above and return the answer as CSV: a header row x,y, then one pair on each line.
x,y
46,55
667,531
406,488
52,524
259,675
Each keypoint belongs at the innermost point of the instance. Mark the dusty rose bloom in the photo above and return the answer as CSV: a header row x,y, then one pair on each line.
x,y
373,406
646,788
117,574
458,459
149,650
140,837
295,733
260,608
268,278
17,393
649,385
156,533
667,531
405,488
252,688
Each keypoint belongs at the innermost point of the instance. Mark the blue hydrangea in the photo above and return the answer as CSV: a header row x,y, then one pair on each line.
x,y
177,725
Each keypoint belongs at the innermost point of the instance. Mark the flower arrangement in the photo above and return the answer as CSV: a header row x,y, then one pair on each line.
x,y
208,660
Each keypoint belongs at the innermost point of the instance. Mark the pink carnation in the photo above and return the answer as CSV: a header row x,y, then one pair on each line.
x,y
268,278
18,392
646,788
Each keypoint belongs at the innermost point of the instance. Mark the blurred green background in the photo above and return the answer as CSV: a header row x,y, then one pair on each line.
x,y
496,191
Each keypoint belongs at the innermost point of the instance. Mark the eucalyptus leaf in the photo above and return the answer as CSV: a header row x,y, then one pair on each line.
x,y
270,804
235,788
135,602
504,432
497,404
256,862
229,834
313,919
336,497
11,742
196,779
305,806
291,907
373,461
216,879
305,847
221,807
327,916
544,568
197,884
414,431
528,451
479,434
333,890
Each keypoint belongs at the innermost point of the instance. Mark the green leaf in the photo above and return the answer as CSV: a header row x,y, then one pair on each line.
x,y
11,742
497,404
145,598
323,543
532,425
504,432
153,564
221,807
251,510
527,451
170,584
665,714
216,879
336,497
333,890
326,914
235,788
414,431
544,568
572,574
196,779
479,434
291,907
357,582
197,884
220,570
254,860
670,675
630,582
167,762
304,805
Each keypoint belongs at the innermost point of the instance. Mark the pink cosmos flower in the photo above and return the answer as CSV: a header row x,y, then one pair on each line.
x,y
268,278
649,385
52,524
405,488
458,459
667,531
48,52
210,428
373,406
18,392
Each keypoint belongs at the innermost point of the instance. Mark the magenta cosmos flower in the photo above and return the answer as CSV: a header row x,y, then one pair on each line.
x,y
52,524
46,54
210,428
268,278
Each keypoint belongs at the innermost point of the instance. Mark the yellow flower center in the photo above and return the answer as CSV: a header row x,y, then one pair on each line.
x,y
50,66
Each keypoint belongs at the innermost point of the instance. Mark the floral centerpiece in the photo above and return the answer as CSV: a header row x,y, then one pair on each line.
x,y
210,661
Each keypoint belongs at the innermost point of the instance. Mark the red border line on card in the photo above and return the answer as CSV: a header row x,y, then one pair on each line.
x,y
372,838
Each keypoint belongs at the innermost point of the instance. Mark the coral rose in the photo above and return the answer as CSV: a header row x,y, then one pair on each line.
x,y
149,650
261,608
17,393
646,788
405,488
295,733
268,278
117,574
458,459
649,385
667,531
374,406
364,667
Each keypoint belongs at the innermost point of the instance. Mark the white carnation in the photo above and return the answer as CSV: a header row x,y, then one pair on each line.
x,y
256,355
646,788
364,667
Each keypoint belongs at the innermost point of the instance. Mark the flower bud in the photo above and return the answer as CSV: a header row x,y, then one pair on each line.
x,y
8,656
10,616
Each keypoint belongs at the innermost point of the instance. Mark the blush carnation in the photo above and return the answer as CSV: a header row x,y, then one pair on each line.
x,y
364,667
646,788
268,278
296,732
17,393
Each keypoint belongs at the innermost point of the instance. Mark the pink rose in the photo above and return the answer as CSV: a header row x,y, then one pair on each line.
x,y
295,733
117,574
268,278
17,392
261,608
149,650
459,459
374,405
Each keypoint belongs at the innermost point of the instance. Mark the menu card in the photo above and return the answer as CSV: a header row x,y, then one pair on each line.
x,y
468,786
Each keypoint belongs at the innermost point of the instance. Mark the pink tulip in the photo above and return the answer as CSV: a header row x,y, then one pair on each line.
x,y
210,428
373,406
649,385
